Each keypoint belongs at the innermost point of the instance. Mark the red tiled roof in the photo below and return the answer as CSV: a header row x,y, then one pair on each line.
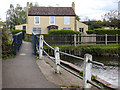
x,y
51,11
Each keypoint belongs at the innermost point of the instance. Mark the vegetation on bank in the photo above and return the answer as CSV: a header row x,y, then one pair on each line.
x,y
7,47
96,50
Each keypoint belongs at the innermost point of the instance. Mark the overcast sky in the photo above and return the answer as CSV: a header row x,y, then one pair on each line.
x,y
86,9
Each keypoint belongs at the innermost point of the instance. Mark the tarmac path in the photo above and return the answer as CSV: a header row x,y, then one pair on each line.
x,y
23,72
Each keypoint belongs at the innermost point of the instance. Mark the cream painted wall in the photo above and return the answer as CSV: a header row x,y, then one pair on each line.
x,y
82,25
44,23
20,27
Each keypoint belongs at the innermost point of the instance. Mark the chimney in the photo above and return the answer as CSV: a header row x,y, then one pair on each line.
x,y
27,12
73,6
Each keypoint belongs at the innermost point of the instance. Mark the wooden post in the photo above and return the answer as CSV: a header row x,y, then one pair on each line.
x,y
75,39
116,38
87,71
57,59
41,46
105,39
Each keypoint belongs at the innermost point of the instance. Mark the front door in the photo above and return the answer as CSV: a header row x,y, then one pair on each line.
x,y
52,27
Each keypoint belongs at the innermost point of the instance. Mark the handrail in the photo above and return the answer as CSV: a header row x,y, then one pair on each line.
x,y
17,41
48,45
80,58
87,61
70,70
48,56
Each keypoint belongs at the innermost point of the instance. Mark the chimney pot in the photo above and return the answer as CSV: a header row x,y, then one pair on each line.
x,y
73,6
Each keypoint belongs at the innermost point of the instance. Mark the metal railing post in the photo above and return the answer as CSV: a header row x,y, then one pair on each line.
x,y
57,59
105,39
75,39
35,40
87,71
41,46
15,44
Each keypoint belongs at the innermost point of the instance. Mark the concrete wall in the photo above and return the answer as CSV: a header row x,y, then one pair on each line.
x,y
85,39
44,23
81,25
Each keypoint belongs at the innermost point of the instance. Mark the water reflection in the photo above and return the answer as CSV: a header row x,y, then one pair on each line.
x,y
109,72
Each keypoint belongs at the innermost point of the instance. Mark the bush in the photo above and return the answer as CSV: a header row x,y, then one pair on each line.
x,y
7,48
90,32
107,31
17,31
104,31
62,32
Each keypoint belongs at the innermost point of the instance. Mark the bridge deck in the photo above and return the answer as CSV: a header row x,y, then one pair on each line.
x,y
23,72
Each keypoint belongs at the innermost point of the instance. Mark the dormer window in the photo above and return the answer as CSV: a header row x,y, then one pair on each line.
x,y
66,20
52,20
37,20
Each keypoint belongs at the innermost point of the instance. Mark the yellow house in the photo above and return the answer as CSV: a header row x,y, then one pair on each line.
x,y
42,19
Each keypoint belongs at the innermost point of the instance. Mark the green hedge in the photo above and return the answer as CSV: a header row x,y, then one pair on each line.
x,y
17,31
62,32
95,50
90,32
107,31
104,31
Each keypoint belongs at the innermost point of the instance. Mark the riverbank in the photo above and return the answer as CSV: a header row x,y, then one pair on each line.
x,y
95,50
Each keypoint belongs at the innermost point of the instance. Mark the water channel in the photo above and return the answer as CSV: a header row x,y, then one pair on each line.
x,y
108,73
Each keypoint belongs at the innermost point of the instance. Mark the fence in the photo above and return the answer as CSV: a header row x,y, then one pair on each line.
x,y
82,39
87,60
17,42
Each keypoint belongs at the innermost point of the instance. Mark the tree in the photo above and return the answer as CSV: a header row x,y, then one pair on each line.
x,y
1,23
93,24
16,16
77,18
111,18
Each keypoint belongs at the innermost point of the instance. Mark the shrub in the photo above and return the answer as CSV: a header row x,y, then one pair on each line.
x,y
63,32
90,31
17,31
107,31
7,47
104,31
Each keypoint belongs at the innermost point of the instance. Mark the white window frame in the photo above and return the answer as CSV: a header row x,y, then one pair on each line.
x,y
37,29
66,20
50,18
35,20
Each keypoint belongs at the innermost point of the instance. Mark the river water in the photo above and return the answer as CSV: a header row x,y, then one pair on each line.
x,y
108,73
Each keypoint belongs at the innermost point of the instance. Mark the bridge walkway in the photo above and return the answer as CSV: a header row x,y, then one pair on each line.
x,y
23,72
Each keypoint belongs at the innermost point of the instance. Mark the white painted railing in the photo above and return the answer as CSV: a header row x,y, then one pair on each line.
x,y
87,63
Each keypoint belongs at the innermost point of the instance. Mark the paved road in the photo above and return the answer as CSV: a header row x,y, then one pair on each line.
x,y
23,72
